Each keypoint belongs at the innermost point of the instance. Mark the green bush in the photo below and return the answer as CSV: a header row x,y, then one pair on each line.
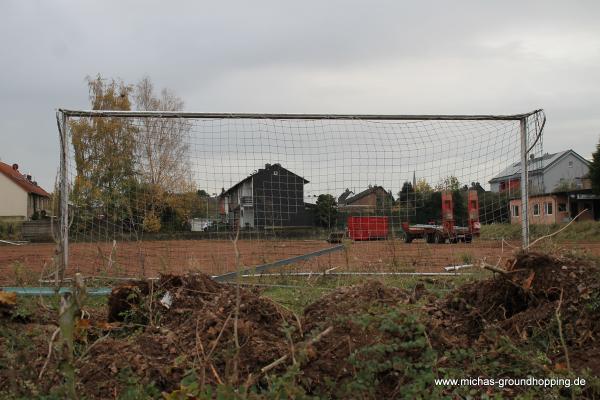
x,y
10,230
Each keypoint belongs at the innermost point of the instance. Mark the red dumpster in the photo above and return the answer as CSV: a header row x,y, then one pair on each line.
x,y
367,228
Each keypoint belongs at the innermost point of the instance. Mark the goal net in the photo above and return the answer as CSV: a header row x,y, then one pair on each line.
x,y
168,192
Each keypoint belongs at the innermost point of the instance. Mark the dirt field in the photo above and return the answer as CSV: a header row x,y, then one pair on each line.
x,y
217,256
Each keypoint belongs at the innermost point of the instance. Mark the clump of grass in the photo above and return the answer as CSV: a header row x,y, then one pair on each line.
x,y
10,230
22,275
465,258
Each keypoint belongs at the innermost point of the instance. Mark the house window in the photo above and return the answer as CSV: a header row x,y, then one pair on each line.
x,y
515,211
570,164
275,172
536,209
549,210
562,207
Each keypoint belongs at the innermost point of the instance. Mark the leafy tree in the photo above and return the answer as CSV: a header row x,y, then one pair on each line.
x,y
448,183
459,207
429,207
179,208
406,202
151,223
422,186
104,150
384,203
493,208
595,170
406,193
325,211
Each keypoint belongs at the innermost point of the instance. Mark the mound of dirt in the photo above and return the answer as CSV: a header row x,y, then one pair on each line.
x,y
352,300
523,302
195,329
364,339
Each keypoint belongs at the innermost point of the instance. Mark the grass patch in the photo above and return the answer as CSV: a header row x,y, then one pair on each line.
x,y
297,292
10,230
584,231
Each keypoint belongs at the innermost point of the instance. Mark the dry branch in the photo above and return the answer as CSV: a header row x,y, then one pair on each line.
x,y
282,359
557,232
52,338
560,331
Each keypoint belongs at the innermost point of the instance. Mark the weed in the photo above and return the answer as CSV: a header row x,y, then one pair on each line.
x,y
134,390
10,230
22,275
466,258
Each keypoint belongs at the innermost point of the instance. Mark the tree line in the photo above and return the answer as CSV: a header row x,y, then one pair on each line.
x,y
421,203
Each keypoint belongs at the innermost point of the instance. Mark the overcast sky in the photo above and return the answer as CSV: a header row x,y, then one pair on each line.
x,y
392,57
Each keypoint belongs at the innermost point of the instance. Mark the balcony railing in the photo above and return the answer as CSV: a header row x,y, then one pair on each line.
x,y
246,201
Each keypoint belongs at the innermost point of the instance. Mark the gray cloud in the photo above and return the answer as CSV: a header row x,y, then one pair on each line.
x,y
272,56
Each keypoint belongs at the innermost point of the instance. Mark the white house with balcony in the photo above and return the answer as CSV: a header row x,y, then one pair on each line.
x,y
547,174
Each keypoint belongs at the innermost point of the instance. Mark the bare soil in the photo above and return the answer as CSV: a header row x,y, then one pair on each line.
x,y
214,257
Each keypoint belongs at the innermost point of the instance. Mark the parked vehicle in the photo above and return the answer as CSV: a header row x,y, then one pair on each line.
x,y
447,231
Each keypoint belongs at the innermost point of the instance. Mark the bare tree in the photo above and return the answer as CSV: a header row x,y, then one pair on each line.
x,y
162,149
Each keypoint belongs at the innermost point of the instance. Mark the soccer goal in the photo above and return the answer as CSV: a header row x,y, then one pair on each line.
x,y
148,192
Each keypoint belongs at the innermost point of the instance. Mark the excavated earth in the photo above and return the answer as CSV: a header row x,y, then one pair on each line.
x,y
526,303
159,331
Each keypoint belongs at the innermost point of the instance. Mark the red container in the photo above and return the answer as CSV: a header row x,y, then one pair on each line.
x,y
368,228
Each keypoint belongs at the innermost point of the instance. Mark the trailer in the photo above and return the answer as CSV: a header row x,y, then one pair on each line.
x,y
368,228
447,231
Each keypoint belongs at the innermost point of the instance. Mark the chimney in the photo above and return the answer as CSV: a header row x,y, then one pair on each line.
x,y
15,167
267,166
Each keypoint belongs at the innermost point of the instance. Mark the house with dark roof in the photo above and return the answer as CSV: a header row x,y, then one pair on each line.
x,y
560,189
21,197
547,173
371,200
272,197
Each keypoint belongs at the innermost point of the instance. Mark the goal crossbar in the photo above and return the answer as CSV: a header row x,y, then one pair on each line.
x,y
387,117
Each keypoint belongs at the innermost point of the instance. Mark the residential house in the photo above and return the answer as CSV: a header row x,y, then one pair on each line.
x,y
547,174
373,200
558,207
22,198
271,197
560,189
